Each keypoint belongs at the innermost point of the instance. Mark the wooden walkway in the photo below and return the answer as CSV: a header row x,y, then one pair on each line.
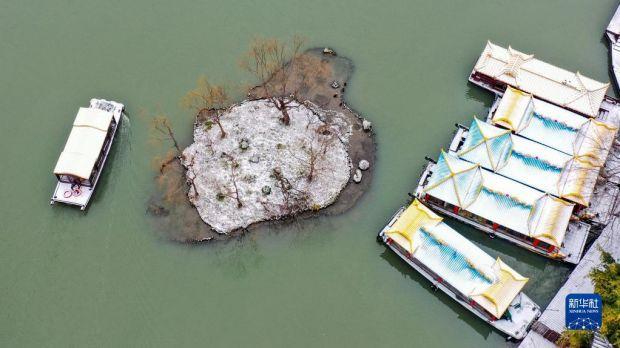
x,y
551,322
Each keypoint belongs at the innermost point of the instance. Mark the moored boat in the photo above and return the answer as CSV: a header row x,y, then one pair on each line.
x,y
499,67
485,286
503,207
83,158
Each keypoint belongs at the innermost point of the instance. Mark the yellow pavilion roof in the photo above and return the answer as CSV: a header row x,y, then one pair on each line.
x,y
512,109
497,297
415,217
549,220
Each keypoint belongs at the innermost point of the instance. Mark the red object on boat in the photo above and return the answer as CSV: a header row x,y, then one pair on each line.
x,y
456,209
495,226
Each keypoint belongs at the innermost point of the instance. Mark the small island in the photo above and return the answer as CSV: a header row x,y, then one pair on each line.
x,y
291,149
265,170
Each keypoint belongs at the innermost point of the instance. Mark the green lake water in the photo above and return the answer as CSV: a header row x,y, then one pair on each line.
x,y
109,277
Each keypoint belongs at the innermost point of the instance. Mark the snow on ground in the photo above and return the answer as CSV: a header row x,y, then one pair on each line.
x,y
216,163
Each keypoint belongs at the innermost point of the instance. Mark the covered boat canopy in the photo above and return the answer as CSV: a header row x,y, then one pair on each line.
x,y
594,142
500,200
84,144
588,141
459,262
559,86
553,126
538,120
529,162
577,181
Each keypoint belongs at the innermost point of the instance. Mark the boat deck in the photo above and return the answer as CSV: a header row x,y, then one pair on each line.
x,y
64,193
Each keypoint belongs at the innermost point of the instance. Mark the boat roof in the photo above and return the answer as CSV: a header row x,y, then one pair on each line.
x,y
455,259
553,126
538,120
561,87
499,199
84,144
525,161
587,140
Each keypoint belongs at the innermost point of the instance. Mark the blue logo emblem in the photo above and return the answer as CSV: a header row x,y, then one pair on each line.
x,y
584,312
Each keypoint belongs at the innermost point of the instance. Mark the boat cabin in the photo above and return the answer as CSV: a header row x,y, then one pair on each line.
x,y
81,160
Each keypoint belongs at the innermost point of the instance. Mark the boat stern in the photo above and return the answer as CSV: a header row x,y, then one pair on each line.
x,y
520,316
72,194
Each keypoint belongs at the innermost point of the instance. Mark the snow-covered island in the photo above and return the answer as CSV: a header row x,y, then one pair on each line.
x,y
264,170
292,148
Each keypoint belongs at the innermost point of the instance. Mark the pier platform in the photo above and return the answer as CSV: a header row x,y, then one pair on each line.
x,y
551,323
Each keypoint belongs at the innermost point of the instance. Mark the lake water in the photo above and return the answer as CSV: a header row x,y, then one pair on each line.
x,y
109,278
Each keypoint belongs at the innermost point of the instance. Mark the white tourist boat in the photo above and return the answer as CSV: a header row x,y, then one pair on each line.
x,y
499,67
502,207
82,160
487,287
613,35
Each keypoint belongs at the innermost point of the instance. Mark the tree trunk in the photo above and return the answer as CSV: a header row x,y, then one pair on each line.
x,y
312,165
219,124
281,105
286,119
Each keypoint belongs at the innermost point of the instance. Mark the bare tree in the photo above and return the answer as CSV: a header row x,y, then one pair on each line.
x,y
161,132
294,199
171,183
321,140
272,62
233,165
208,101
321,137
